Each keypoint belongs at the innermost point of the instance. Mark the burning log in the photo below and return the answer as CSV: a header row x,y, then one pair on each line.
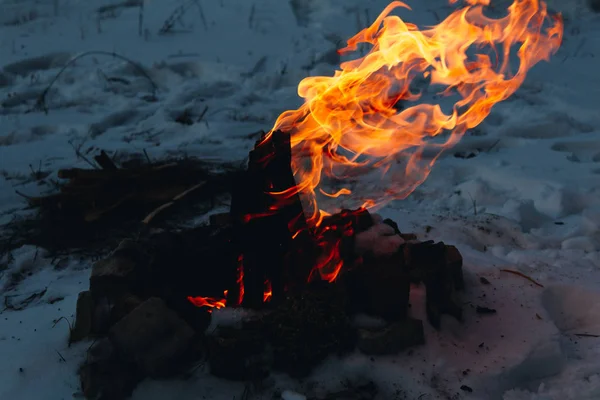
x,y
265,229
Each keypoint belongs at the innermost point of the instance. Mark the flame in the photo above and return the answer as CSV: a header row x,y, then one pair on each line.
x,y
350,125
240,278
210,302
268,292
349,121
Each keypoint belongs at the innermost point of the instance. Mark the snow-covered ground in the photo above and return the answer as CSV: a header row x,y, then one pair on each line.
x,y
529,199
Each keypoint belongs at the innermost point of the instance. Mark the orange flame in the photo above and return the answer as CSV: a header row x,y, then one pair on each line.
x,y
240,279
349,122
268,292
210,302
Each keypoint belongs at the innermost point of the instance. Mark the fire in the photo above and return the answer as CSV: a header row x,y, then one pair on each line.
x,y
268,292
349,121
210,302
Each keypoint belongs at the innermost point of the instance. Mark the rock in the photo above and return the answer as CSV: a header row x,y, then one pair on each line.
x,y
121,272
392,339
83,317
123,306
112,276
380,287
106,377
101,321
594,5
154,338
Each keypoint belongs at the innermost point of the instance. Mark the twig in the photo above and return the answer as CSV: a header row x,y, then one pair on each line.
x,y
184,193
141,19
586,335
24,195
474,202
156,211
202,16
511,271
70,329
87,352
61,356
41,102
251,16
202,114
147,157
61,318
492,146
79,155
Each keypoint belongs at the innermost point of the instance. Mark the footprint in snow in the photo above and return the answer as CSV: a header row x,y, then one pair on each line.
x,y
579,151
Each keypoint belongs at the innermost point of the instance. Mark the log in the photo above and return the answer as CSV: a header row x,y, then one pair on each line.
x,y
265,228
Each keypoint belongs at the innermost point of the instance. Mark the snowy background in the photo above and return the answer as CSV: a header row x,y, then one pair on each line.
x,y
527,197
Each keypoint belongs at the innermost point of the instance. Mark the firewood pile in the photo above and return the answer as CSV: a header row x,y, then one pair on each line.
x,y
103,205
151,301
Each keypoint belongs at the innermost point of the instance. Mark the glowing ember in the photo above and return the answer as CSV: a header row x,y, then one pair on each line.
x,y
349,121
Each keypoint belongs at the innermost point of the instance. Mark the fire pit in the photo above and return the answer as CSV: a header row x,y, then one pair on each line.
x,y
150,302
305,270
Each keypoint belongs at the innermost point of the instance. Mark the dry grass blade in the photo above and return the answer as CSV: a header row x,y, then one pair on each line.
x,y
41,102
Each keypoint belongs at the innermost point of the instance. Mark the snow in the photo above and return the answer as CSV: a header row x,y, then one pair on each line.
x,y
529,199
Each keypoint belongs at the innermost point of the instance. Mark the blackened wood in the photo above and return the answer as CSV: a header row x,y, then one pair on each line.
x,y
266,226
440,268
380,287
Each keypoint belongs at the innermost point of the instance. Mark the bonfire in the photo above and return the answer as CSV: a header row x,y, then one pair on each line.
x,y
303,245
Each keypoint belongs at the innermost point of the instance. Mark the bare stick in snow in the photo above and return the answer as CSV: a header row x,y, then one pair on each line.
x,y
141,19
511,271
